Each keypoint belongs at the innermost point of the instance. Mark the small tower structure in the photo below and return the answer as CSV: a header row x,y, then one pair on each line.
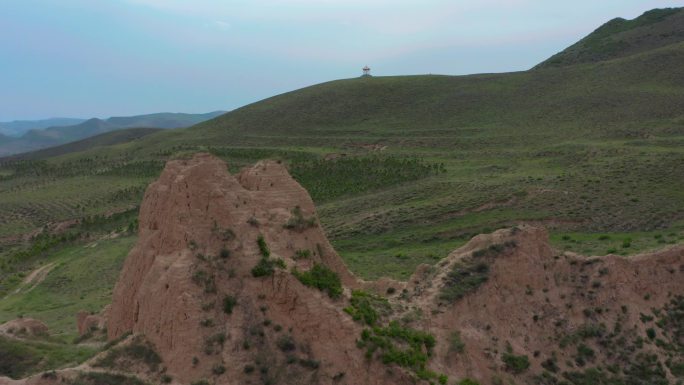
x,y
366,71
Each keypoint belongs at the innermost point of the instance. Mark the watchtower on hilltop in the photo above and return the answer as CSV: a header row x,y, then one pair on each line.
x,y
366,71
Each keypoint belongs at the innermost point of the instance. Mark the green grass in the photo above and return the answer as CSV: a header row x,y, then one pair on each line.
x,y
136,352
22,358
627,243
83,279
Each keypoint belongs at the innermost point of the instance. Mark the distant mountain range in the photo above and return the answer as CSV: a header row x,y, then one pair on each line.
x,y
22,136
18,128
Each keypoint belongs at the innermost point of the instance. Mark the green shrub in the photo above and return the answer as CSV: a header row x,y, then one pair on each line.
x,y
263,247
411,350
514,363
218,369
464,277
298,222
468,381
224,253
286,343
321,278
309,363
266,267
302,254
584,353
229,303
364,307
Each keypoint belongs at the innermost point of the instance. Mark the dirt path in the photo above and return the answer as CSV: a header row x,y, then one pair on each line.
x,y
35,277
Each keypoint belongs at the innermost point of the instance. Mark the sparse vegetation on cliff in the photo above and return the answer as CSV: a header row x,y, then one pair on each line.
x,y
367,308
229,303
297,221
136,352
100,378
266,265
515,363
464,277
322,278
263,247
19,358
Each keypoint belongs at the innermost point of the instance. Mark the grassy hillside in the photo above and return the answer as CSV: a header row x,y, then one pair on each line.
x,y
620,38
74,283
590,149
402,169
106,139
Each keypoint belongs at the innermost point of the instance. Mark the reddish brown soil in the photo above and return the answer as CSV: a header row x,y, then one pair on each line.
x,y
24,328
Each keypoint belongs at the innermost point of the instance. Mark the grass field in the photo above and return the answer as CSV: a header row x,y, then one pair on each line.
x,y
83,278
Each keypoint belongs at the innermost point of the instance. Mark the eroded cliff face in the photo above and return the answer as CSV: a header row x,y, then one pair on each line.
x,y
574,317
198,243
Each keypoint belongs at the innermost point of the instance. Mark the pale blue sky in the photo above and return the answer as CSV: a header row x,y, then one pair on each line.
x,y
85,58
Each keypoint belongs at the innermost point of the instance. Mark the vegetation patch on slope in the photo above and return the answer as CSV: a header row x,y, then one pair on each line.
x,y
21,358
322,278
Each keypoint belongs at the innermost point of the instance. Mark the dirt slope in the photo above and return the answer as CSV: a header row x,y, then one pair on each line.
x,y
569,313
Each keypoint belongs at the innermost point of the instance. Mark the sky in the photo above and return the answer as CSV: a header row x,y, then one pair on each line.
x,y
101,58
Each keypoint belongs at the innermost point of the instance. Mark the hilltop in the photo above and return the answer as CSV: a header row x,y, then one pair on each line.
x,y
619,38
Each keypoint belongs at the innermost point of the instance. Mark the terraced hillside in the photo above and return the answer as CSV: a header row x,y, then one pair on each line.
x,y
403,169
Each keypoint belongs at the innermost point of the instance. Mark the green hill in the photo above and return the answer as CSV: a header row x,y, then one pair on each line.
x,y
404,169
620,38
107,139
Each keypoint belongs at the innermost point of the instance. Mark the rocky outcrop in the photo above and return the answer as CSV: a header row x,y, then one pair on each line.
x,y
566,313
188,284
86,322
24,328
